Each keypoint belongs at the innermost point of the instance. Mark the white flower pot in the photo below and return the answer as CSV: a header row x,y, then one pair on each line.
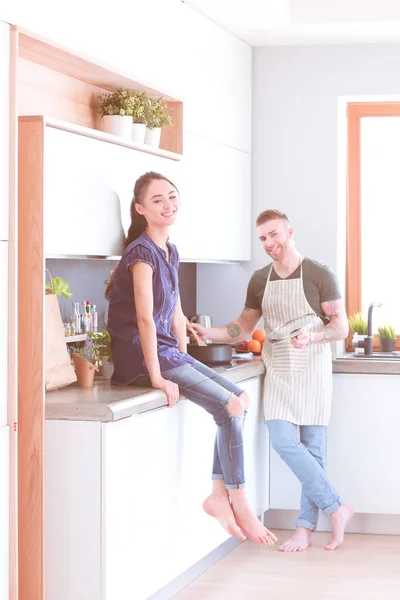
x,y
120,126
107,368
153,136
138,132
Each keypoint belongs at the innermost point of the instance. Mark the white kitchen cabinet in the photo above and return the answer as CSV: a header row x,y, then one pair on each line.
x,y
363,442
216,202
88,192
4,511
124,500
218,83
4,127
3,331
285,489
362,447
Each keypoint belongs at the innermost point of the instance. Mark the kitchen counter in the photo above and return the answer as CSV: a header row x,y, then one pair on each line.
x,y
365,366
105,402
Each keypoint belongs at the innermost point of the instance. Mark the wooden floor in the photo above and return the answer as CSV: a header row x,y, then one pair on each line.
x,y
366,568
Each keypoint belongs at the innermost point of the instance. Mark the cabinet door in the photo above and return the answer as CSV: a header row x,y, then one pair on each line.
x,y
88,192
3,331
363,449
256,448
4,127
285,488
215,205
4,511
140,496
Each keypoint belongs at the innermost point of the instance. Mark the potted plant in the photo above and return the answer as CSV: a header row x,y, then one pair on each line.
x,y
359,327
102,343
387,337
116,108
156,118
139,115
85,360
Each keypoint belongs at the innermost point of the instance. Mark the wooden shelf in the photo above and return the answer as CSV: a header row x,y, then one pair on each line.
x,y
100,135
58,82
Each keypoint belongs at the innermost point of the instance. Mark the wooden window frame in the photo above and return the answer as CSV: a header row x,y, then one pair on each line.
x,y
355,112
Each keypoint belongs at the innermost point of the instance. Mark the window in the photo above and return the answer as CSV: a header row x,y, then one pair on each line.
x,y
373,211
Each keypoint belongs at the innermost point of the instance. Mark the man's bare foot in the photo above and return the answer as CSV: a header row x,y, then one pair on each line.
x,y
340,519
298,542
217,505
252,527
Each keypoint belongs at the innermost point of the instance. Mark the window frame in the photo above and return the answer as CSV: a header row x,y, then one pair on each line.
x,y
355,112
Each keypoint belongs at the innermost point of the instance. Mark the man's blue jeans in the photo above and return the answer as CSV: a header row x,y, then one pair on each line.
x,y
303,449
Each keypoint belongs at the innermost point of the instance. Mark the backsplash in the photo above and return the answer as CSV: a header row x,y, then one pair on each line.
x,y
86,279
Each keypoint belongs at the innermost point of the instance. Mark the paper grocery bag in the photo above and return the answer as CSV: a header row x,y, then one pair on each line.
x,y
58,369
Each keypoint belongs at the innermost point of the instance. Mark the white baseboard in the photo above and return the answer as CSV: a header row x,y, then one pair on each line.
x,y
360,523
195,571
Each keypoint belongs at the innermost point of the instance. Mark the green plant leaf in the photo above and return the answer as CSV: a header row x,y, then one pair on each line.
x,y
60,287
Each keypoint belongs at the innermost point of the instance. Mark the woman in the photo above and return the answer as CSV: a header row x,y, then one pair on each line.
x,y
148,336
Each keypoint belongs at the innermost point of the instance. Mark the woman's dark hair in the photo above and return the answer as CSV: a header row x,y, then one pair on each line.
x,y
138,222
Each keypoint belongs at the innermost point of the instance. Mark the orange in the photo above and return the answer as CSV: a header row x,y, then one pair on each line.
x,y
259,335
254,346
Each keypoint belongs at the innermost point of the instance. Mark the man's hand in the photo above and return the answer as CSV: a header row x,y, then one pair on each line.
x,y
302,340
201,331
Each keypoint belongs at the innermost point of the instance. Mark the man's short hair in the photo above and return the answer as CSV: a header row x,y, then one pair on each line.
x,y
270,215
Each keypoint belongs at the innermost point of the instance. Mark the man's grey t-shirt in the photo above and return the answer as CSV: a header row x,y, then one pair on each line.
x,y
320,284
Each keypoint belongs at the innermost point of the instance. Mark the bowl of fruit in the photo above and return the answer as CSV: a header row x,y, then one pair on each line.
x,y
254,345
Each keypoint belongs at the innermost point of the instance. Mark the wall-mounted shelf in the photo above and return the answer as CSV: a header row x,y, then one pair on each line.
x,y
70,339
63,84
100,135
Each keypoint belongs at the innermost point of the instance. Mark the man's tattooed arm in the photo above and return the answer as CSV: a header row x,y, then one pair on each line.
x,y
337,328
233,330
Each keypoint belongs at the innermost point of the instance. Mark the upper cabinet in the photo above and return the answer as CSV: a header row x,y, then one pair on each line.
x,y
88,176
87,186
4,128
215,190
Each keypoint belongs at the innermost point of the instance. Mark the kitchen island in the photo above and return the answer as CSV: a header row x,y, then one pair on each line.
x,y
125,482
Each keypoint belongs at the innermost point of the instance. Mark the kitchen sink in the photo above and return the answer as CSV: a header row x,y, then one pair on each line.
x,y
374,356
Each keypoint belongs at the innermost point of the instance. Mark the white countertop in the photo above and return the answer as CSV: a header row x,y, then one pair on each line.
x,y
105,402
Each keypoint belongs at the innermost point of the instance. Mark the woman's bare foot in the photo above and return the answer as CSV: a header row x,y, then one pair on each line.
x,y
217,505
298,542
247,520
340,519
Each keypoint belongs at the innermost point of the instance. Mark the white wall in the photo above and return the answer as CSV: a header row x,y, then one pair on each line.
x,y
295,129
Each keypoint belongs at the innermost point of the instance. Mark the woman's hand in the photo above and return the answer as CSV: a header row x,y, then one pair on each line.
x,y
170,389
201,331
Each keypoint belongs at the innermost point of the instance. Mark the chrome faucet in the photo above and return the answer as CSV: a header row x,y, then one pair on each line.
x,y
368,343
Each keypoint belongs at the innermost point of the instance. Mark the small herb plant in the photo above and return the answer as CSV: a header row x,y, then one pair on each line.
x,y
89,352
358,324
102,343
120,103
156,115
140,109
387,332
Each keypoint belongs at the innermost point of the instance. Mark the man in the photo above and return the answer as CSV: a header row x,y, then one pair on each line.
x,y
298,380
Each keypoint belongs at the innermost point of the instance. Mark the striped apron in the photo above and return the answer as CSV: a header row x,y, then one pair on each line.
x,y
298,382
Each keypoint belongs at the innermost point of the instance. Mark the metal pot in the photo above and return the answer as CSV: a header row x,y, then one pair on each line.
x,y
204,320
211,354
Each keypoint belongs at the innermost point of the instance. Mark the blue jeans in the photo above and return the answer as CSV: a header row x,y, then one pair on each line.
x,y
306,457
211,391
